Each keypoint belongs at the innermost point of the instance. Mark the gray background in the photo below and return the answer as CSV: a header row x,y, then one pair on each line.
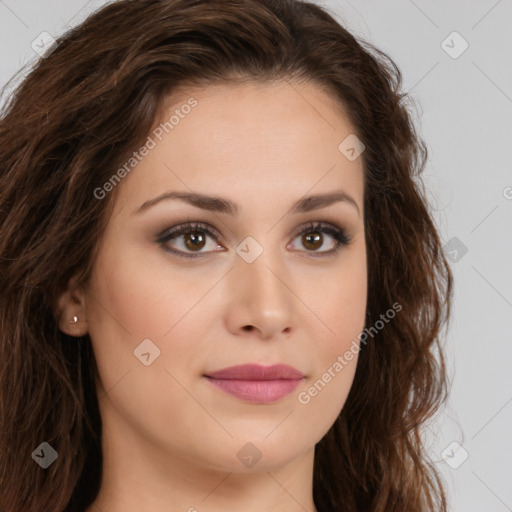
x,y
464,114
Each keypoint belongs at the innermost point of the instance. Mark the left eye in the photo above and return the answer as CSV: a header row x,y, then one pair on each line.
x,y
312,237
194,237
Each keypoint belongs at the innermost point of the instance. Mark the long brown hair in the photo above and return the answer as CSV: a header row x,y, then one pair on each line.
x,y
74,119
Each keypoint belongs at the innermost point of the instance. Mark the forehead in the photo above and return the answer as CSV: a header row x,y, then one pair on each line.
x,y
260,139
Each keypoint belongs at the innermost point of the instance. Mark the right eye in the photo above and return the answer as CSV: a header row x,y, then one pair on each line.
x,y
194,237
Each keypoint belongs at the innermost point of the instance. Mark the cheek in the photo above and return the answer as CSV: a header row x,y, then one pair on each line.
x,y
141,300
342,309
338,302
132,301
349,293
336,356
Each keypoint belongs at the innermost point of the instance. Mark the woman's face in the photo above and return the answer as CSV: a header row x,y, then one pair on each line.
x,y
255,291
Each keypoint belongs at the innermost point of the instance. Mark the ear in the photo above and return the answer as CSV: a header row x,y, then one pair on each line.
x,y
71,305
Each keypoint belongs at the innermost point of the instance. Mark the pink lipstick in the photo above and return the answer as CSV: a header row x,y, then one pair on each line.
x,y
255,383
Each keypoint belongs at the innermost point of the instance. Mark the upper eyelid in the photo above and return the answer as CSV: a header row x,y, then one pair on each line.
x,y
190,225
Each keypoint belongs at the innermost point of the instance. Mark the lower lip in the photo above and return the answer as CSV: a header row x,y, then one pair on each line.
x,y
257,391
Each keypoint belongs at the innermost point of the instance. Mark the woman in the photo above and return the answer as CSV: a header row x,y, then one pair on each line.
x,y
222,288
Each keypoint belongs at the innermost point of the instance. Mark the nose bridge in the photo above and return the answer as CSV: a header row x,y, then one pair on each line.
x,y
260,276
261,289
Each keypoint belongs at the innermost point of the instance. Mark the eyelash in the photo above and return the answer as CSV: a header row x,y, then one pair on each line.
x,y
339,235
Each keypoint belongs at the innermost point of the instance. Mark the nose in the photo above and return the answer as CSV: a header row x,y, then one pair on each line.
x,y
261,302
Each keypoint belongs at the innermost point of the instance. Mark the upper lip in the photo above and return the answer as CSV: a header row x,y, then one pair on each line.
x,y
257,372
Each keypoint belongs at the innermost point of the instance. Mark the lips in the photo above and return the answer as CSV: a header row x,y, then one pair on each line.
x,y
256,383
257,372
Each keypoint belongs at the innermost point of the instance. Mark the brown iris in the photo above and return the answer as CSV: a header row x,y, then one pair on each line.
x,y
312,240
194,240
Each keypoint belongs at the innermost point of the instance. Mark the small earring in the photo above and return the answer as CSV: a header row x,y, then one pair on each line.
x,y
74,321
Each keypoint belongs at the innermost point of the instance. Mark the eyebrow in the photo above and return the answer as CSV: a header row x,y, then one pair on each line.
x,y
221,205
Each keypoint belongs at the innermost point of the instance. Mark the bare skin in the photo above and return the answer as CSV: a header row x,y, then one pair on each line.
x,y
171,440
